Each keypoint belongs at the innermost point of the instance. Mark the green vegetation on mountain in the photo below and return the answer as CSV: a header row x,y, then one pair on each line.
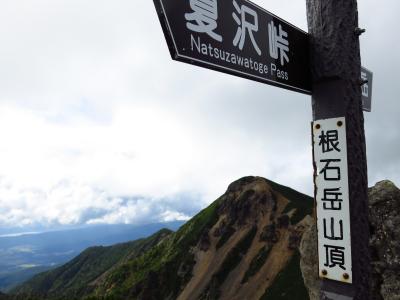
x,y
164,269
73,280
232,259
10,280
303,204
224,252
257,262
225,236
234,256
289,282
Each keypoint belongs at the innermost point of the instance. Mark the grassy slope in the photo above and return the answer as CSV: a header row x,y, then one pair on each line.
x,y
289,284
303,204
154,274
72,279
10,280
257,262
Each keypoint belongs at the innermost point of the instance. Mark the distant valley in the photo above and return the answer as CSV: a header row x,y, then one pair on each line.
x,y
243,246
22,256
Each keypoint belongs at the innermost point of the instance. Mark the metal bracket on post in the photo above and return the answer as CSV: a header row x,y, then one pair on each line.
x,y
359,31
335,63
334,296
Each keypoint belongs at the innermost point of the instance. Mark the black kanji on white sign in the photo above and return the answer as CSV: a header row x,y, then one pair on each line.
x,y
332,198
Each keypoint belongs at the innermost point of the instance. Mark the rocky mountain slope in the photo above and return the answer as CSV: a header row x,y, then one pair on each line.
x,y
243,246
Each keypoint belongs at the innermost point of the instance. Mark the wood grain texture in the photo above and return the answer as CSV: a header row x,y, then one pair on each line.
x,y
335,65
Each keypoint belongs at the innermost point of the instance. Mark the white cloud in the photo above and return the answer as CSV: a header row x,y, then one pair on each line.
x,y
94,112
72,203
74,172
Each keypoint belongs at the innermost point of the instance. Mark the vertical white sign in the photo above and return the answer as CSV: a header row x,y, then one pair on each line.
x,y
332,199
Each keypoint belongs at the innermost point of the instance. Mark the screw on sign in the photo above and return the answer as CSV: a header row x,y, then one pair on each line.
x,y
337,93
332,198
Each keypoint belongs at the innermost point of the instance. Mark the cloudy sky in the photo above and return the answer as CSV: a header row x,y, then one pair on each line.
x,y
99,125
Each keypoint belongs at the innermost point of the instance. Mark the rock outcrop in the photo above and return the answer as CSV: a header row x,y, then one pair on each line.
x,y
384,218
3,296
309,260
384,205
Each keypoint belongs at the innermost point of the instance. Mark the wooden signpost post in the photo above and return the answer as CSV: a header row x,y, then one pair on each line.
x,y
240,38
336,68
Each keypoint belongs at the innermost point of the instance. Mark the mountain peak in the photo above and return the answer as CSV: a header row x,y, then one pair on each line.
x,y
254,235
240,247
247,200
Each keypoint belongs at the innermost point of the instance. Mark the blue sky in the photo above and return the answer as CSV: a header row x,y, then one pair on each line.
x,y
93,112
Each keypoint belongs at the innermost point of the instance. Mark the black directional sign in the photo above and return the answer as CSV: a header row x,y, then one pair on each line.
x,y
366,88
237,37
